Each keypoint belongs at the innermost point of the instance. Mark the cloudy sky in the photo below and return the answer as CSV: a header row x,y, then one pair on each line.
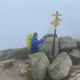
x,y
18,18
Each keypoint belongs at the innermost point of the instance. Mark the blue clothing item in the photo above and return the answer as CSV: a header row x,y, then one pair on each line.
x,y
35,45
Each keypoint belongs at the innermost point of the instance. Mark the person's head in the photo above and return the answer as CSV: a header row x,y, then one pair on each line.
x,y
35,35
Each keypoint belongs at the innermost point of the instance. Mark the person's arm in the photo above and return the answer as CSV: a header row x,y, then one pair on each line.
x,y
36,41
40,41
44,38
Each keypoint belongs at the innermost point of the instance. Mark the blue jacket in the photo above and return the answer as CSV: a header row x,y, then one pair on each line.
x,y
35,44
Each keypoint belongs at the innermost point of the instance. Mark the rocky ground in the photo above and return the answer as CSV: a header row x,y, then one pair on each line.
x,y
13,72
74,73
64,64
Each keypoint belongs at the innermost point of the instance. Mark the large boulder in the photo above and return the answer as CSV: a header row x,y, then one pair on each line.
x,y
60,67
39,64
67,43
46,46
75,56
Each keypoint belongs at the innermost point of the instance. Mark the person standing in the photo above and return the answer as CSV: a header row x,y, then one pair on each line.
x,y
35,43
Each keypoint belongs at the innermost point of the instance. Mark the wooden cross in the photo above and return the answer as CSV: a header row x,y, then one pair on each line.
x,y
56,22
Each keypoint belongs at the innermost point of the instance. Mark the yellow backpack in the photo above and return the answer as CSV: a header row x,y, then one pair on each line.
x,y
29,40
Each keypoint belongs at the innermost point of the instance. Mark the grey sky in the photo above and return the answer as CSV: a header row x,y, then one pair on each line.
x,y
21,17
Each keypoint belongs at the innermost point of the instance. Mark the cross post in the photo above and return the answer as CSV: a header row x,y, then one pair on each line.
x,y
55,22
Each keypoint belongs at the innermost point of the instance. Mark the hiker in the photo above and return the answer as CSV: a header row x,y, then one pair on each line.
x,y
35,43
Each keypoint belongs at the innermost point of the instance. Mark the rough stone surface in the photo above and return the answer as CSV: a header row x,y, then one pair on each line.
x,y
49,39
67,43
74,73
6,63
78,43
26,72
12,73
75,56
60,67
39,64
47,46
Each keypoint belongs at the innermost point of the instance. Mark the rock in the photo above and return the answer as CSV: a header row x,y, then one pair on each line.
x,y
46,46
74,73
23,72
78,44
39,64
47,43
75,56
60,67
28,63
48,35
6,63
49,39
67,43
26,72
